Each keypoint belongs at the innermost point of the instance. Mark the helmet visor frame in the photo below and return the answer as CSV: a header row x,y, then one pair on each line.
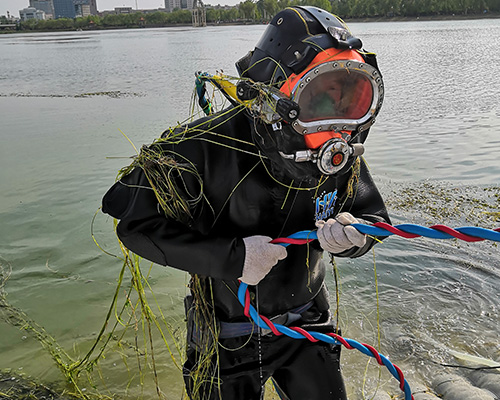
x,y
338,95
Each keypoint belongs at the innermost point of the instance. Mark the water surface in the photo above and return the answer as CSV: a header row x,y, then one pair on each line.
x,y
66,98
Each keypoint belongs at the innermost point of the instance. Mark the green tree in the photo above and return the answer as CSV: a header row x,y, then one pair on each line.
x,y
358,8
111,20
282,4
81,23
324,4
341,8
60,24
231,14
93,21
156,18
179,17
268,8
248,9
389,7
213,15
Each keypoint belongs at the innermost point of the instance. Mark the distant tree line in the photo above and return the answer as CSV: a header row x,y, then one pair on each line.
x,y
132,20
250,11
412,8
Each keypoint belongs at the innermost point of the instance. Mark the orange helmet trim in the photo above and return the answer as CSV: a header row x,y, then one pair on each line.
x,y
315,140
325,56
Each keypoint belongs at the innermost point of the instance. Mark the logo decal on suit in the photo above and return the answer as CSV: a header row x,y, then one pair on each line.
x,y
325,203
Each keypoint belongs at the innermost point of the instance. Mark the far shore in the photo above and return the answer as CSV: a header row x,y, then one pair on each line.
x,y
426,18
347,20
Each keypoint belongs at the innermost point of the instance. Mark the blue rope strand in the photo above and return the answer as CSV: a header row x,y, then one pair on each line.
x,y
482,233
319,336
487,234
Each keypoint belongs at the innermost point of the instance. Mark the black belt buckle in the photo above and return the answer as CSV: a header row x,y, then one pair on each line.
x,y
280,319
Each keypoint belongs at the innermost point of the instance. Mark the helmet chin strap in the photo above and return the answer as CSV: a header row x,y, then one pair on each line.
x,y
331,157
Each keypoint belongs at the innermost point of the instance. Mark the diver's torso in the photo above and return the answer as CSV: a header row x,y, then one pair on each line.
x,y
246,198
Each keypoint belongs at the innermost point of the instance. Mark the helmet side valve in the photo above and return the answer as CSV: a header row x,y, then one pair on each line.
x,y
246,91
287,109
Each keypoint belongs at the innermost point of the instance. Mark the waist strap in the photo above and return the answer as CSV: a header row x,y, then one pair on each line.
x,y
236,329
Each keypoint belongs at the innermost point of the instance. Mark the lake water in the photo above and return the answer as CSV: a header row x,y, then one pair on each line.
x,y
66,98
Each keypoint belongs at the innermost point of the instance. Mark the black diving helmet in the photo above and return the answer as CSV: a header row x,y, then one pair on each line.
x,y
324,87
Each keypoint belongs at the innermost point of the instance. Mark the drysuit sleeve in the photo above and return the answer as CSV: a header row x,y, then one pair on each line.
x,y
144,229
365,204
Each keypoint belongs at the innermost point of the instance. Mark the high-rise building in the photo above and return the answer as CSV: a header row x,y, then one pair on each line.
x,y
74,8
64,9
47,6
84,8
171,5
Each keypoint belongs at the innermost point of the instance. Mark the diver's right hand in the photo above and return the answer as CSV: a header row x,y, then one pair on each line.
x,y
260,257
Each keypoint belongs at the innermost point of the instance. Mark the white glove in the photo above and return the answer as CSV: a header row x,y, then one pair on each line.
x,y
260,257
335,235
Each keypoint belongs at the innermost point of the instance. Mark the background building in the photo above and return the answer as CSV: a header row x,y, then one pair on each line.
x,y
73,8
84,8
46,6
171,5
64,9
124,10
31,13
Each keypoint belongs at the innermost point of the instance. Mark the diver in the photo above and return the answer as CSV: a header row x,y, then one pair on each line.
x,y
208,198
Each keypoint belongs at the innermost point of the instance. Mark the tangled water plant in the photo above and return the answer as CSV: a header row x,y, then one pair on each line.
x,y
136,321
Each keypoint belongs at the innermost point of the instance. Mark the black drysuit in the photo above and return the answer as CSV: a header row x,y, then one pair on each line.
x,y
243,195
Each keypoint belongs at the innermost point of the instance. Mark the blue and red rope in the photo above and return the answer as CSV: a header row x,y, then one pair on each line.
x,y
296,332
409,231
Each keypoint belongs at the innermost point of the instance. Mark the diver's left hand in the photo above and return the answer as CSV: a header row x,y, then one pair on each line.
x,y
336,235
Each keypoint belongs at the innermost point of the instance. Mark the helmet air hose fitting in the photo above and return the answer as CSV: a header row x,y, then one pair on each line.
x,y
332,157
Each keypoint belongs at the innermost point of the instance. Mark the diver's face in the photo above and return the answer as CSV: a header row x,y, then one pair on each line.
x,y
322,99
335,95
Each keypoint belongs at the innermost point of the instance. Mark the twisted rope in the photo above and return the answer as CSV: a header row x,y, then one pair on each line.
x,y
296,332
408,231
466,233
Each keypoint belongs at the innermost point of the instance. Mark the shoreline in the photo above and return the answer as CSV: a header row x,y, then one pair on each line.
x,y
450,17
